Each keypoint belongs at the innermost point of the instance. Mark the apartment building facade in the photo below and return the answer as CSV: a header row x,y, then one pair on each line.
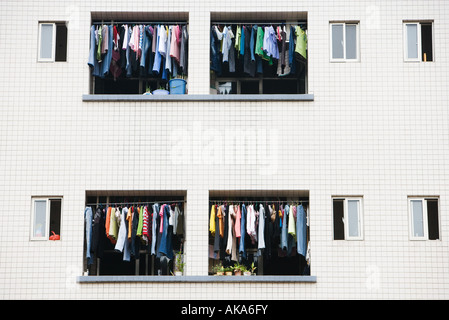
x,y
351,143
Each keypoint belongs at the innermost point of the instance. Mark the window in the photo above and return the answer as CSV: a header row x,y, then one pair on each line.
x,y
418,41
347,214
258,58
46,217
52,42
424,218
269,232
344,41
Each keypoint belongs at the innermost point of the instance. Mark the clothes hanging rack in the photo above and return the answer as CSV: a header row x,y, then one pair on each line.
x,y
135,202
259,201
108,22
259,22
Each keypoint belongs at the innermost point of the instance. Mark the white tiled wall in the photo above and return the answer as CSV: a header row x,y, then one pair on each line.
x,y
378,128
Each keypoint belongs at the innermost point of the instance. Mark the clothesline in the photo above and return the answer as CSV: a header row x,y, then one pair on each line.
x,y
134,202
140,22
259,22
263,201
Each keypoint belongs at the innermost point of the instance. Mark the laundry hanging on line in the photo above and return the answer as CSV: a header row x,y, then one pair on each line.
x,y
131,228
272,229
254,47
138,50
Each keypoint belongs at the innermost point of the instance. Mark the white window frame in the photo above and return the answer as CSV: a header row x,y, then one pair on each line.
x,y
419,44
344,24
53,43
424,217
345,216
47,200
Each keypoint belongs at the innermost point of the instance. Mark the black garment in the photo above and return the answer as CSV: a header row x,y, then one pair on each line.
x,y
223,241
98,233
277,226
269,232
184,48
135,241
217,232
215,54
122,52
249,65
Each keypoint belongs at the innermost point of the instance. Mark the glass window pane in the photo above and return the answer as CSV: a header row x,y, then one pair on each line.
x,y
351,41
353,218
417,218
46,41
412,41
40,216
337,41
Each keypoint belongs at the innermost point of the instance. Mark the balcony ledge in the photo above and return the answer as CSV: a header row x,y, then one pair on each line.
x,y
195,97
192,279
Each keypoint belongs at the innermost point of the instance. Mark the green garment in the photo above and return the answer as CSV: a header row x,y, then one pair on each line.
x,y
259,43
301,42
238,34
140,224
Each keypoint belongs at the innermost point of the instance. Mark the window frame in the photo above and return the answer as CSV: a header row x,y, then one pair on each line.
x,y
47,200
425,218
53,43
419,43
56,25
345,200
344,24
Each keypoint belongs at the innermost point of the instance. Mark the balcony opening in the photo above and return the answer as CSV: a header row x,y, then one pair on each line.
x,y
133,232
138,53
252,55
265,232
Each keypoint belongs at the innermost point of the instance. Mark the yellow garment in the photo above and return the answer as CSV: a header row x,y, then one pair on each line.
x,y
212,220
301,42
220,222
291,223
238,34
113,227
129,218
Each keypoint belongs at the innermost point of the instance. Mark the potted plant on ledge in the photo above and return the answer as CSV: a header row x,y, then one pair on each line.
x,y
228,271
179,264
239,269
219,270
250,271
